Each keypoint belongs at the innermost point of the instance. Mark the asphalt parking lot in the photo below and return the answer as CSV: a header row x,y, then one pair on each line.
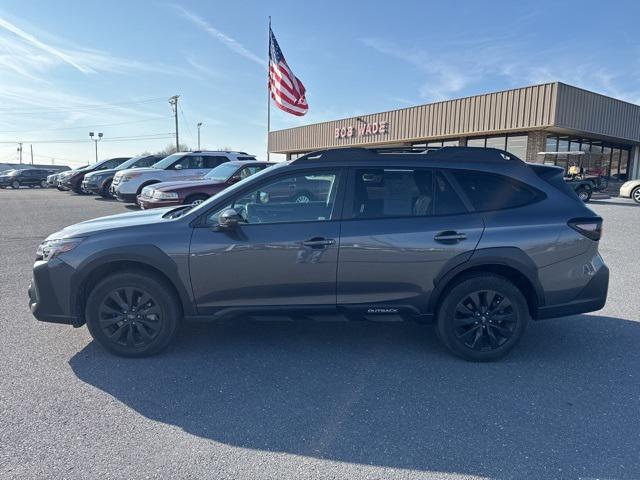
x,y
276,399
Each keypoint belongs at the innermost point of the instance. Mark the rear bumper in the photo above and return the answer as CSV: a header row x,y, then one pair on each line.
x,y
591,298
49,293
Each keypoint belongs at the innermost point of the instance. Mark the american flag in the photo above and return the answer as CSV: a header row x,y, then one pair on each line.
x,y
286,89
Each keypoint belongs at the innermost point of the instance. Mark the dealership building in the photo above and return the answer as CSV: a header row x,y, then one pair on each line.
x,y
551,123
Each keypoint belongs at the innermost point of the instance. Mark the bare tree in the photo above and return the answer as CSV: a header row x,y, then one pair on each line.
x,y
171,148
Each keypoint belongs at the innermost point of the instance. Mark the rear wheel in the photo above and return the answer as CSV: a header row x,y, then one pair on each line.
x,y
105,189
482,317
196,199
15,184
133,314
635,194
302,197
584,193
43,184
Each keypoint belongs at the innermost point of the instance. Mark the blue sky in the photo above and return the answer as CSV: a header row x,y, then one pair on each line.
x,y
60,60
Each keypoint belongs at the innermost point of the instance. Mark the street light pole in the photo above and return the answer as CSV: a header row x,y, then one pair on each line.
x,y
95,141
199,125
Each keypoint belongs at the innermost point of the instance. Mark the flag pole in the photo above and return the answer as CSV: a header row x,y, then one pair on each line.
x,y
269,91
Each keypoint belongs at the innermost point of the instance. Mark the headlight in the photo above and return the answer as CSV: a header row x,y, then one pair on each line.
x,y
52,248
164,195
129,176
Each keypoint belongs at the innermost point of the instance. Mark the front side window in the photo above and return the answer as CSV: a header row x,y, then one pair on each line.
x,y
300,197
488,191
188,162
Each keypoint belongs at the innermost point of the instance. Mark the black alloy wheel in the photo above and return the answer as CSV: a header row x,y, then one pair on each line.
x,y
130,317
482,317
133,314
636,194
15,184
484,320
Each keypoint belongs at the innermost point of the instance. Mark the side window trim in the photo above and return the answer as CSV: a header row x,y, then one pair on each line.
x,y
457,188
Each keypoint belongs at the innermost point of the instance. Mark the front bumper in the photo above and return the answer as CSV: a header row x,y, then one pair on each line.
x,y
591,298
90,187
125,197
626,189
50,293
147,203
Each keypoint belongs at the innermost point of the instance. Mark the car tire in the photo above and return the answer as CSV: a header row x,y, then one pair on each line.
x,y
15,184
584,193
482,317
302,197
104,193
196,198
133,314
43,184
635,194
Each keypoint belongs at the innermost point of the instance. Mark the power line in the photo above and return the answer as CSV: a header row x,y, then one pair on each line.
x,y
150,136
188,124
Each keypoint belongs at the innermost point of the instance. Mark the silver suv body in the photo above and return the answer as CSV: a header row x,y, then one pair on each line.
x,y
128,184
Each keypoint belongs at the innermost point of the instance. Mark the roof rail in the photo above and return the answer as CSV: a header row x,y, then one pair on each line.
x,y
430,153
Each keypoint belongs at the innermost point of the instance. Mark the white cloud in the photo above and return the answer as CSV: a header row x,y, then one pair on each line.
x,y
231,43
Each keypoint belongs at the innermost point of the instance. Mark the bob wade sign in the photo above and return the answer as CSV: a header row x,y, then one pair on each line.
x,y
363,130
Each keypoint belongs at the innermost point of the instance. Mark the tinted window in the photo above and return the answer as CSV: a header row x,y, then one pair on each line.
x,y
146,162
212,161
447,201
279,201
111,163
392,192
189,162
488,191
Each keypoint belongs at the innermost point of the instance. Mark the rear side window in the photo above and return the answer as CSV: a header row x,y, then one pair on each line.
x,y
447,200
488,191
212,161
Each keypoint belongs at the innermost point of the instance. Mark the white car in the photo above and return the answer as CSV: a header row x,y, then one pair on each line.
x,y
128,184
631,189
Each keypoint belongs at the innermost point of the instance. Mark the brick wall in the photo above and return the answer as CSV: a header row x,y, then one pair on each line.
x,y
536,142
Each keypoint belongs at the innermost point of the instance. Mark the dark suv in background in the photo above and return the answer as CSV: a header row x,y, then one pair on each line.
x,y
99,182
73,182
472,239
27,177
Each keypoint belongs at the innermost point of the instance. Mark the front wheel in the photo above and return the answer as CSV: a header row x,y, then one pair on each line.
x,y
195,199
133,314
482,317
302,197
636,194
44,184
15,184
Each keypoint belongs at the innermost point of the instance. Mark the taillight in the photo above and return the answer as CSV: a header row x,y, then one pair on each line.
x,y
590,227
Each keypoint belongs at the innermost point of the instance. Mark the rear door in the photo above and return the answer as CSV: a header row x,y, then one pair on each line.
x,y
401,227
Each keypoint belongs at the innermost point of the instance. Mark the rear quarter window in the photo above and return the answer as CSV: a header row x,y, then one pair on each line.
x,y
489,191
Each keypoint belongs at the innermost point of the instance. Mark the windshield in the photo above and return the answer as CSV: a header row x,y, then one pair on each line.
x,y
129,163
222,172
167,161
205,205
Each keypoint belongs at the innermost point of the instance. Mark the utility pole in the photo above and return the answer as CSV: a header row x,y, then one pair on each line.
x,y
199,125
31,145
91,135
20,151
173,101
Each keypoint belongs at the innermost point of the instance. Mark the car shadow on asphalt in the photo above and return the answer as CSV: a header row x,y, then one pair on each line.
x,y
617,203
564,404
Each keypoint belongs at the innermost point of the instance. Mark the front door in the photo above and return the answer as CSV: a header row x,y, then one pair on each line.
x,y
283,253
401,226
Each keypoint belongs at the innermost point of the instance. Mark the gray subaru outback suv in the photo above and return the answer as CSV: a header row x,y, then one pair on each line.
x,y
474,240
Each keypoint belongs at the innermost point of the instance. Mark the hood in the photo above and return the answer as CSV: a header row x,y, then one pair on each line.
x,y
173,186
110,171
121,220
140,170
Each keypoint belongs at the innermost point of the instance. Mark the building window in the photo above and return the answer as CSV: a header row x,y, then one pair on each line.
x,y
497,142
624,165
552,144
451,143
517,145
476,142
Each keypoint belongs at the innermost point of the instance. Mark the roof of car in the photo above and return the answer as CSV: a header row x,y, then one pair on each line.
x,y
248,162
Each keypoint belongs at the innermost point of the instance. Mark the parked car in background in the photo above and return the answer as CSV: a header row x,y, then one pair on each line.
x,y
631,189
61,177
99,182
51,179
74,181
189,192
128,184
473,239
27,177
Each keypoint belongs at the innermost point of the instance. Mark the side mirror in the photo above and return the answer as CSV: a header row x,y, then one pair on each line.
x,y
228,219
178,167
235,179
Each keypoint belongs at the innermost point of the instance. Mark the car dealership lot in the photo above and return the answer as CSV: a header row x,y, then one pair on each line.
x,y
278,399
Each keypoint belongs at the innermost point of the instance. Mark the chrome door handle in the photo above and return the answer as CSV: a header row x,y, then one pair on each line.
x,y
318,242
450,236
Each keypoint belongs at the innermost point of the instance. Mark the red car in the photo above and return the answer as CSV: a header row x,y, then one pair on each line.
x,y
189,192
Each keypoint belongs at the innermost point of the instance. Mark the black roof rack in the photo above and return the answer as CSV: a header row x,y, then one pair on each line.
x,y
438,153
